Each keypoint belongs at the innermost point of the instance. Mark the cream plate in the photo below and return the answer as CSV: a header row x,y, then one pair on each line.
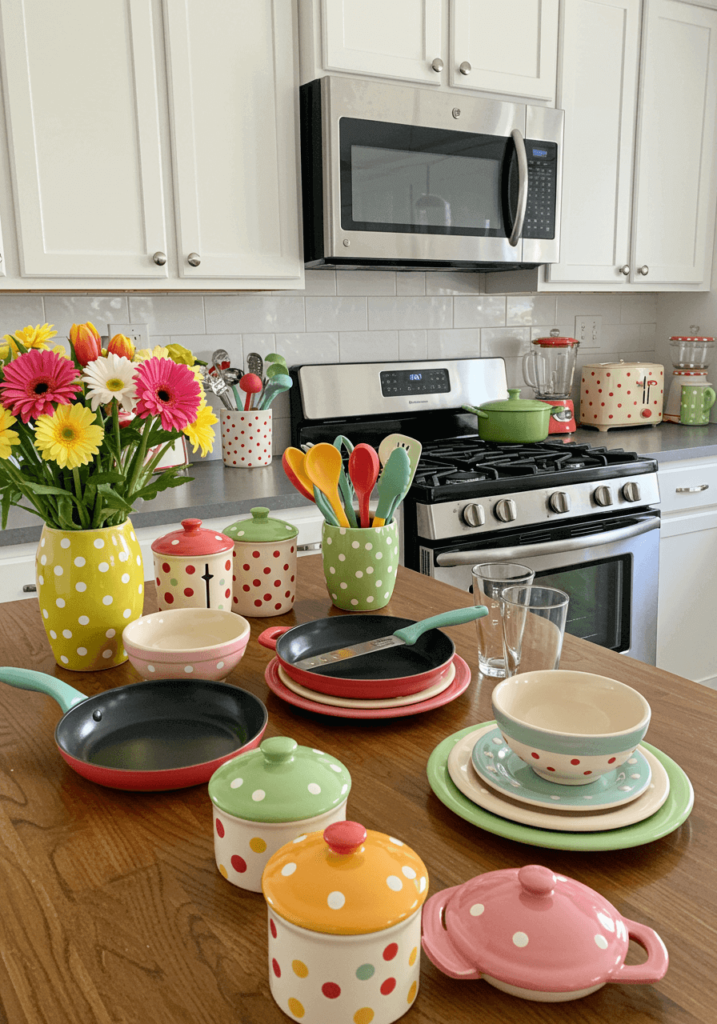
x,y
464,775
386,702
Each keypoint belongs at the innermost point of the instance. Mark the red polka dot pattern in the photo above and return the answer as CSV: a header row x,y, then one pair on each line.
x,y
190,570
331,990
388,986
169,598
220,828
390,951
272,929
265,584
188,592
275,968
255,430
238,863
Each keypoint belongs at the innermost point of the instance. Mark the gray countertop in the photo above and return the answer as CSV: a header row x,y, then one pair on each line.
x,y
216,491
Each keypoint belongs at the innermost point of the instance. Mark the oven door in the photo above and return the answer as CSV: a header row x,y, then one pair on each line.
x,y
610,575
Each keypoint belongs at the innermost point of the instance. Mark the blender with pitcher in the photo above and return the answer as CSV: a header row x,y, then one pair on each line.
x,y
691,354
549,368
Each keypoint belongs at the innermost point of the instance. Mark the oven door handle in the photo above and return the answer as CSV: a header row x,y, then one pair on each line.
x,y
551,547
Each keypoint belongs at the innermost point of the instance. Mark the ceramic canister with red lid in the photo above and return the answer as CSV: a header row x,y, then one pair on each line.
x,y
193,568
264,576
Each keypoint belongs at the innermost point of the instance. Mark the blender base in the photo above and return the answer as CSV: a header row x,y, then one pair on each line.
x,y
565,425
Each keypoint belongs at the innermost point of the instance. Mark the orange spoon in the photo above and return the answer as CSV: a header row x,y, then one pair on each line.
x,y
323,466
293,462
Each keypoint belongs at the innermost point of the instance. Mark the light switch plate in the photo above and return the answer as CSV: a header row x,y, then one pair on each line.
x,y
588,331
138,333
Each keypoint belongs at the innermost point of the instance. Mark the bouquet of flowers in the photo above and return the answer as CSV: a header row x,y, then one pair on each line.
x,y
81,433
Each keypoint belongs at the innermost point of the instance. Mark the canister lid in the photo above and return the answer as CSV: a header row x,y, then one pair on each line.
x,y
261,529
345,881
192,541
514,403
280,781
555,340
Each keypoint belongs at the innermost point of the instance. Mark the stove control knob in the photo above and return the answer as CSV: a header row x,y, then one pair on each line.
x,y
505,510
603,496
559,501
631,491
473,515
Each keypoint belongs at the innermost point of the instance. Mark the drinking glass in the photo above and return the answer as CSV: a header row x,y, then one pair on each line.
x,y
533,627
490,579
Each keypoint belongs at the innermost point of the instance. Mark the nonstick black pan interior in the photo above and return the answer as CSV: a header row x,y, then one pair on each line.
x,y
430,651
163,724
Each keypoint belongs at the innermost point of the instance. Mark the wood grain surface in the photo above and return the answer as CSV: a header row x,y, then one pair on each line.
x,y
112,910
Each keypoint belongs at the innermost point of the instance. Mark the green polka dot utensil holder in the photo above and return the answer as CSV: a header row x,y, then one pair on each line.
x,y
696,400
360,566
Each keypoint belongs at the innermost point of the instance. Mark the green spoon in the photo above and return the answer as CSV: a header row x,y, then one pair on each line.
x,y
393,483
345,488
275,387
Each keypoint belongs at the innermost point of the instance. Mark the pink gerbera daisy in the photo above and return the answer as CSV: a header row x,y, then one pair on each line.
x,y
35,380
168,390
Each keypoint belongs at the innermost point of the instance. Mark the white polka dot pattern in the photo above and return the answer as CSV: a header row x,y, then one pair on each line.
x,y
336,900
351,563
246,438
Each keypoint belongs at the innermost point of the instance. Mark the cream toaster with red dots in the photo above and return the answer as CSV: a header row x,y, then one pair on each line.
x,y
264,564
621,395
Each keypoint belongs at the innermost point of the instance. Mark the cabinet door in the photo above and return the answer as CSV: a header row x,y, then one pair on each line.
x,y
233,94
674,199
510,45
80,84
597,89
395,39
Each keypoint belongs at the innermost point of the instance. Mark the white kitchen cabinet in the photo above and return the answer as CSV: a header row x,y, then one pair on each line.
x,y
686,642
152,143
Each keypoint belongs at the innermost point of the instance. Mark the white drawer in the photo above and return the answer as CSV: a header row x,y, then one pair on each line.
x,y
688,485
17,570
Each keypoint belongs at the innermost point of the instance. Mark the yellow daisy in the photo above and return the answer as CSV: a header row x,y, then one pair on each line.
x,y
31,337
158,352
70,437
200,433
8,437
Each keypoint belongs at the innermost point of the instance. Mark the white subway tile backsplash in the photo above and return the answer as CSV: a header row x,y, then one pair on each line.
x,y
19,311
409,312
368,346
65,310
443,282
454,344
408,283
621,338
479,311
170,314
366,282
203,345
588,304
525,310
253,314
509,342
347,313
262,344
318,282
639,309
309,348
412,345
648,333
280,436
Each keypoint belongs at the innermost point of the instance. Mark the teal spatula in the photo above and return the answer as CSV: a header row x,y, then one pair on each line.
x,y
392,485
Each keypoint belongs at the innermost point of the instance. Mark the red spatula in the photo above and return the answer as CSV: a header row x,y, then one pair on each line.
x,y
364,465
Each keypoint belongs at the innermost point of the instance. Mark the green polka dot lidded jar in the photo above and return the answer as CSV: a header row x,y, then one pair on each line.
x,y
360,566
266,798
264,564
90,585
193,568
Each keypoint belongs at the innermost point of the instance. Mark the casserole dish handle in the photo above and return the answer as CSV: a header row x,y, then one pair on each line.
x,y
437,942
654,968
269,637
479,412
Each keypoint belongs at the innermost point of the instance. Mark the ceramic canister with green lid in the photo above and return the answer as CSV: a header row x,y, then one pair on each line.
x,y
264,564
268,797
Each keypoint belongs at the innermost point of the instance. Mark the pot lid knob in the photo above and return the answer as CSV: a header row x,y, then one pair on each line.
x,y
344,837
192,526
537,880
278,749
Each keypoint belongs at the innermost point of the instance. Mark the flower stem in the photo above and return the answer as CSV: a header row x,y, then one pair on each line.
x,y
84,517
138,460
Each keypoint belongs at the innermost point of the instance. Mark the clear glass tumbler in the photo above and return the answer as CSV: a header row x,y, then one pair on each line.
x,y
533,628
490,579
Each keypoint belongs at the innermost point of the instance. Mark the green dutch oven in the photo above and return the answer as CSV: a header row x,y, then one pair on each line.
x,y
515,420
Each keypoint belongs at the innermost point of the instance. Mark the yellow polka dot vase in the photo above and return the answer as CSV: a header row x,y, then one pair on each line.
x,y
90,585
360,566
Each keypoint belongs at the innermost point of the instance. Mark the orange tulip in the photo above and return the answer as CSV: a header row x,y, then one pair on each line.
x,y
86,341
121,345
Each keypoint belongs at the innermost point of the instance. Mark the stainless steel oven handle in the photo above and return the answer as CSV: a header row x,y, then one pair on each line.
x,y
522,187
551,547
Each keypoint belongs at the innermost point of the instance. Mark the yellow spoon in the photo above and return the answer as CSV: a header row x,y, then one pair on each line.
x,y
323,465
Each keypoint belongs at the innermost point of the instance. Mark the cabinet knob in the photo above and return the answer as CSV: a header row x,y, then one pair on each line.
x,y
160,259
465,68
643,270
437,64
625,270
193,259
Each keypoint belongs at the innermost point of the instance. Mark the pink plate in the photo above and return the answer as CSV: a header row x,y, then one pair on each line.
x,y
460,684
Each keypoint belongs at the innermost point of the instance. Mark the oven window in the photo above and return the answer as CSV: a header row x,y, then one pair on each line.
x,y
599,608
402,178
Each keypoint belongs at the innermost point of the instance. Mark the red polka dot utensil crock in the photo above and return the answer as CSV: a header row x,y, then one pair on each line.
x,y
264,564
193,568
246,438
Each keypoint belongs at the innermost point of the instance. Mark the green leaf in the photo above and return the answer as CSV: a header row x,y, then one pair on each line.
x,y
64,513
114,501
161,484
46,489
106,478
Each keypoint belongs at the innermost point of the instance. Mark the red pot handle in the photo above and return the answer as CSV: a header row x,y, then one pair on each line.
x,y
654,968
269,637
437,942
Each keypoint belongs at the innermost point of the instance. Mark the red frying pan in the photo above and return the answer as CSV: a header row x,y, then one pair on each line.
x,y
163,734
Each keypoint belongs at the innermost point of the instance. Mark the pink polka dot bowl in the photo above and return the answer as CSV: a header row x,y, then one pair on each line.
x,y
246,438
570,727
199,643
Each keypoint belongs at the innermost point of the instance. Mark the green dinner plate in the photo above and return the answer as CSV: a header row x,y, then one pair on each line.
x,y
670,816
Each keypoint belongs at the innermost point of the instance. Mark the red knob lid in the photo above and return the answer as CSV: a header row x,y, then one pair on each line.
x,y
192,541
345,837
646,413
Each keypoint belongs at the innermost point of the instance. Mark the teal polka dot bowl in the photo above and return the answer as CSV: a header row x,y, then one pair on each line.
x,y
360,566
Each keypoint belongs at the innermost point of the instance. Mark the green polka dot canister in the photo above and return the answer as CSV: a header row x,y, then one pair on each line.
x,y
265,563
266,798
90,585
344,907
360,565
193,568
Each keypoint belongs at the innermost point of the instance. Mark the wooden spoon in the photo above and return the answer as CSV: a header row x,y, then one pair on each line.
x,y
363,469
323,467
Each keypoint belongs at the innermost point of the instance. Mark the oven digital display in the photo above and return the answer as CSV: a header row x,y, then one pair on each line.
x,y
540,152
414,382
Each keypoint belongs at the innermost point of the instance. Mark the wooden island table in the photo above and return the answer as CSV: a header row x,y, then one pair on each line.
x,y
112,910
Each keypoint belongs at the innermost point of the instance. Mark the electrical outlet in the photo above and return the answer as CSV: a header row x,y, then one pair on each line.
x,y
138,333
588,331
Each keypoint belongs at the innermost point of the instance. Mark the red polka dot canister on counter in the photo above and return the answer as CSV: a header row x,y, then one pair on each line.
x,y
264,564
193,568
246,438
344,910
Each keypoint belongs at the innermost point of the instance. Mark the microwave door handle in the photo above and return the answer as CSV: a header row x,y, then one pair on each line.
x,y
551,547
522,187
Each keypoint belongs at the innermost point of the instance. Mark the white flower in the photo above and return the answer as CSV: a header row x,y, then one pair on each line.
x,y
109,377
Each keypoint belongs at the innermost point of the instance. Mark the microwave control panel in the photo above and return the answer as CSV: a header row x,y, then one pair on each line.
x,y
542,181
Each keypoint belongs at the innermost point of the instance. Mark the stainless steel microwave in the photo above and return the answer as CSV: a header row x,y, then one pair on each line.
x,y
404,177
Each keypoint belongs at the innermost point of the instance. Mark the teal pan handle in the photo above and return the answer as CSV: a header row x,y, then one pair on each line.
x,y
27,679
459,615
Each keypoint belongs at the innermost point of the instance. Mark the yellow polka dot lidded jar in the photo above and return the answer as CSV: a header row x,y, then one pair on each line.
x,y
267,797
344,910
264,576
90,585
193,568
